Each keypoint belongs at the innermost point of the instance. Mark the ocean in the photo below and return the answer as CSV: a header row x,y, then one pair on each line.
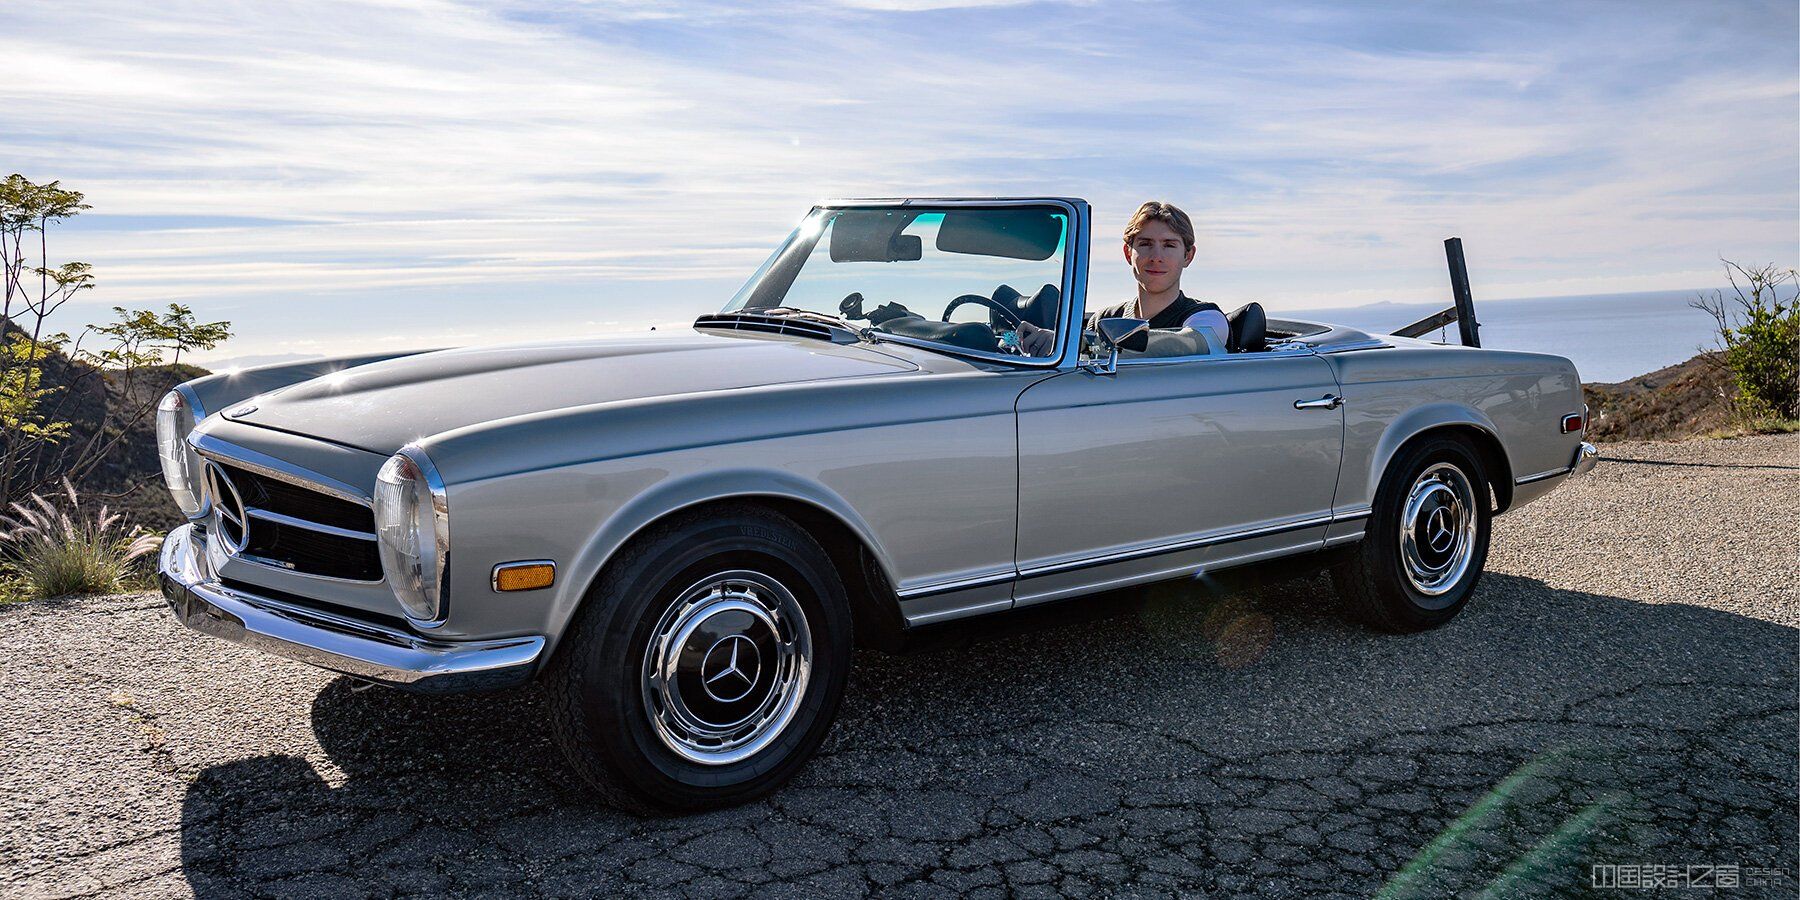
x,y
1610,337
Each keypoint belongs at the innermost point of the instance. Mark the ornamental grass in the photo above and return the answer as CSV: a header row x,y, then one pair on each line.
x,y
56,548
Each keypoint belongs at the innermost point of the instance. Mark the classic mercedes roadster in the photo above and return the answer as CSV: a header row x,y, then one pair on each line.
x,y
682,536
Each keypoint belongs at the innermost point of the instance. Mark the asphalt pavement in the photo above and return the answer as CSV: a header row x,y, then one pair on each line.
x,y
1617,709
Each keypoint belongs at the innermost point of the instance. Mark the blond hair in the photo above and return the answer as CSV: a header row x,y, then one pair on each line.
x,y
1168,214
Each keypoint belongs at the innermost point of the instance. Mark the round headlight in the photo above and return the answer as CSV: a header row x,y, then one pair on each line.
x,y
413,530
173,420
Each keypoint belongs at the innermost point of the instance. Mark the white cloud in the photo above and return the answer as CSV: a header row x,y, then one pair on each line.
x,y
546,151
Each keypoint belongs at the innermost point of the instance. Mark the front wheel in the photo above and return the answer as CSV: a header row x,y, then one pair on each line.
x,y
1426,543
706,665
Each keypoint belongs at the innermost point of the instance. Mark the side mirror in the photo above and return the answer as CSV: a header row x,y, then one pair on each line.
x,y
1125,334
1116,335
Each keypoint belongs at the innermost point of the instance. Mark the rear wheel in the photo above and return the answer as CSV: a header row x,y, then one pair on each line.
x,y
707,664
1426,543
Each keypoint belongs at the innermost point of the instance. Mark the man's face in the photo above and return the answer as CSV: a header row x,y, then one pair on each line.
x,y
1157,257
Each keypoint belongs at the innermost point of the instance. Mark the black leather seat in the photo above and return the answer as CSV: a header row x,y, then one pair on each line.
x,y
1249,329
1039,309
970,335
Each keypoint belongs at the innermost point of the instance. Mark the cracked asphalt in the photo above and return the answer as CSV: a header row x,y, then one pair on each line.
x,y
1621,692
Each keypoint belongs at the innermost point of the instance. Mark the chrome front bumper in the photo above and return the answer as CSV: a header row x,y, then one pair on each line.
x,y
341,644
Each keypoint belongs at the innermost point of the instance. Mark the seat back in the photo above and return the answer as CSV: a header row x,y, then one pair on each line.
x,y
1249,329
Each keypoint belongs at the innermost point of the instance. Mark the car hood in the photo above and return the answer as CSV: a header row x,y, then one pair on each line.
x,y
385,405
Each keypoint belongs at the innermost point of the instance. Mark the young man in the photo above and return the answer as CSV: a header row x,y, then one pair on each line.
x,y
1159,244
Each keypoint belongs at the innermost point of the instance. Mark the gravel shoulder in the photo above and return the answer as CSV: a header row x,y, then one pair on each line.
x,y
1622,691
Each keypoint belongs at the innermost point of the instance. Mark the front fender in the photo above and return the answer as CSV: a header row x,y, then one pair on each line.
x,y
651,505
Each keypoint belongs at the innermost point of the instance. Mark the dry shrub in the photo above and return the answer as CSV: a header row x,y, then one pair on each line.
x,y
51,549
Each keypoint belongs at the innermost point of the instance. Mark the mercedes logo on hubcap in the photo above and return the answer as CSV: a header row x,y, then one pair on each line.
x,y
729,671
1438,534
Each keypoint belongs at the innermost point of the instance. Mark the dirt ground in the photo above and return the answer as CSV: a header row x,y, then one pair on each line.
x,y
1618,702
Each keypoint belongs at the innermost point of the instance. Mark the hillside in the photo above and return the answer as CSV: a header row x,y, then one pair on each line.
x,y
1682,400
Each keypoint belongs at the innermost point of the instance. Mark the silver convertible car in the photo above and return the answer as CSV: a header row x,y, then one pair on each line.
x,y
682,536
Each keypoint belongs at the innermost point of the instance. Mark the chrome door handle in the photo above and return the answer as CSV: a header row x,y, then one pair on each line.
x,y
1329,401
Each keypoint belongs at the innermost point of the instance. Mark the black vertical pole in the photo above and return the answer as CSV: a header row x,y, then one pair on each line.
x,y
1465,303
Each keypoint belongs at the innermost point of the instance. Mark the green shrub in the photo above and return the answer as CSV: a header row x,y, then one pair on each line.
x,y
1759,336
47,551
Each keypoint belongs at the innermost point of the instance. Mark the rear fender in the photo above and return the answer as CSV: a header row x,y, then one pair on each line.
x,y
1421,419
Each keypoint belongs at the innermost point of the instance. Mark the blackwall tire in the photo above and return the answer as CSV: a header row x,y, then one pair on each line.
x,y
1426,542
706,664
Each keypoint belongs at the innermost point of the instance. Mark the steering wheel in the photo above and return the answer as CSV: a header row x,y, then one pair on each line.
x,y
989,302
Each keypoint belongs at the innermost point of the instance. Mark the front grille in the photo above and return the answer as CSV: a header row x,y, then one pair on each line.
x,y
293,527
277,496
313,552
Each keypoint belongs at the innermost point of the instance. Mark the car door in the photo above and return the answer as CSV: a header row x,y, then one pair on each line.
x,y
1168,466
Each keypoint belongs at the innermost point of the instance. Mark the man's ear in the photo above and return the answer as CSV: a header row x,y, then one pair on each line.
x,y
1127,247
1189,257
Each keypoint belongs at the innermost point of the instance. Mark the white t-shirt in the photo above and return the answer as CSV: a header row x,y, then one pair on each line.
x,y
1210,320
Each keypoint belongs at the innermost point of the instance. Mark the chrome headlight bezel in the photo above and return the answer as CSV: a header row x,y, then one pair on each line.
x,y
176,416
412,531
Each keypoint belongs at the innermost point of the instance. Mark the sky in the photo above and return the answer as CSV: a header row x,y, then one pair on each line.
x,y
337,177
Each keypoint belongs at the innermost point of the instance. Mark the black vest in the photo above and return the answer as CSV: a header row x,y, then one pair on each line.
x,y
1171,317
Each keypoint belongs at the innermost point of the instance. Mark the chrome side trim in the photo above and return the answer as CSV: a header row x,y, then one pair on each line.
x,y
958,584
263,464
1552,473
944,587
1174,547
337,643
1223,356
320,527
972,609
1350,346
1586,455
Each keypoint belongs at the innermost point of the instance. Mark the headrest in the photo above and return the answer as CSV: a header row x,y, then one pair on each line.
x,y
1249,329
1039,309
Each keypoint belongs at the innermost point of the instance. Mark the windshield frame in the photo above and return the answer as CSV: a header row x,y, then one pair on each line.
x,y
776,276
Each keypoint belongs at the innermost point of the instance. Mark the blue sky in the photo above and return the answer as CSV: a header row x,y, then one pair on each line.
x,y
341,176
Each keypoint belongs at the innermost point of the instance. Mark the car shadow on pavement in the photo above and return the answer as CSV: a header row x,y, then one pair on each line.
x,y
1230,737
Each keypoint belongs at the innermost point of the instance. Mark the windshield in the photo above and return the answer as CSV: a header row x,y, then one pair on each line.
x,y
968,278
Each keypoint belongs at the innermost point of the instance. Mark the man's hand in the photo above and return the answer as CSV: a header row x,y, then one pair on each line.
x,y
1035,341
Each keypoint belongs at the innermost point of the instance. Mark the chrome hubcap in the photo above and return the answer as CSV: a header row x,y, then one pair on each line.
x,y
1437,529
726,667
